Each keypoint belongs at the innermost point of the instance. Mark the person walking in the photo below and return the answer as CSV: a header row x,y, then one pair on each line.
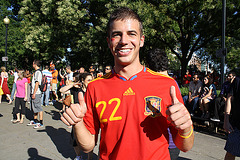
x,y
4,84
36,96
20,97
133,118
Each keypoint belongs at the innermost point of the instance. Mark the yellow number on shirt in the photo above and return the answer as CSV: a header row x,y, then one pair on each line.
x,y
111,118
103,109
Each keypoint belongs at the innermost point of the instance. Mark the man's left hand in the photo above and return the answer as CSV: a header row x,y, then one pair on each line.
x,y
178,114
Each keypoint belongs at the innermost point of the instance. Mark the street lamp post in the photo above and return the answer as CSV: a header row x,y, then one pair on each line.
x,y
6,21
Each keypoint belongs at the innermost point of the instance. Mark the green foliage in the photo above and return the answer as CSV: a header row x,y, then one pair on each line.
x,y
184,91
75,30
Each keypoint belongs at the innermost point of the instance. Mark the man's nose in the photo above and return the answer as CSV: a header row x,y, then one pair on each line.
x,y
124,39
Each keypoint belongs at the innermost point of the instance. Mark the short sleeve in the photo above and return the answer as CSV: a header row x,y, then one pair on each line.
x,y
91,119
25,80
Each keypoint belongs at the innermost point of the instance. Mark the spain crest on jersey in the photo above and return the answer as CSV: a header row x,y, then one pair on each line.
x,y
153,106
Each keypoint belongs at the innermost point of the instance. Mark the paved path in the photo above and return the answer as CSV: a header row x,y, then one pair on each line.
x,y
22,142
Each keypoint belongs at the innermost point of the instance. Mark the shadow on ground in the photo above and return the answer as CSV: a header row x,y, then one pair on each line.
x,y
33,154
55,114
61,139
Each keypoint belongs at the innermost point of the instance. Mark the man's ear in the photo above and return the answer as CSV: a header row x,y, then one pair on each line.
x,y
142,41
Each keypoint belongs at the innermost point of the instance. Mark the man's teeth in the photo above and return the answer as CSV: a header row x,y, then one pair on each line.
x,y
125,50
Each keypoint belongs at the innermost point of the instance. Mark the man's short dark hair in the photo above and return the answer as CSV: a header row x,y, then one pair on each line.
x,y
110,67
157,60
37,62
47,67
123,13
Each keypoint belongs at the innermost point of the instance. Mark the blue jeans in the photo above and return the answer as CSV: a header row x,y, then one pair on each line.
x,y
45,96
13,91
192,105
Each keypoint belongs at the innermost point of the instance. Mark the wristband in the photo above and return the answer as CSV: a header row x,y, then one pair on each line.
x,y
185,137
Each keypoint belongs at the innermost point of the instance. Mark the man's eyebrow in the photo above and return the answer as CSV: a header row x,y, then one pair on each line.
x,y
130,31
114,32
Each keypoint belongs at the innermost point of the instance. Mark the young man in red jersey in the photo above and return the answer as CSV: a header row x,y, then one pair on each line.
x,y
132,105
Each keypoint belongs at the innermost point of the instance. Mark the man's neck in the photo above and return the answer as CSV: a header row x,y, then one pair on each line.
x,y
129,70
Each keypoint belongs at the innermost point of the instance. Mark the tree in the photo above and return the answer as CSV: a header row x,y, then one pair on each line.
x,y
16,52
186,27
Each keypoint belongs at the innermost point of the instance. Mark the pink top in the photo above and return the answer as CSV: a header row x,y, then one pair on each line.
x,y
21,87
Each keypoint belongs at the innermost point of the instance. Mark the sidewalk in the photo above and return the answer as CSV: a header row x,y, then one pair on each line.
x,y
22,142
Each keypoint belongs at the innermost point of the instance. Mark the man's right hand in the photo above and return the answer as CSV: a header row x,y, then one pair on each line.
x,y
75,112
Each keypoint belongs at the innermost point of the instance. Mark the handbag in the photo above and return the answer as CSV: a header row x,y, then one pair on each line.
x,y
1,91
67,100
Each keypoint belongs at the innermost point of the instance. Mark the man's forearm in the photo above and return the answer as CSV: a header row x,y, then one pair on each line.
x,y
84,138
184,139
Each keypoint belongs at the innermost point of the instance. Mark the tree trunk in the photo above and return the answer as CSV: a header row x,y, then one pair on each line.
x,y
184,64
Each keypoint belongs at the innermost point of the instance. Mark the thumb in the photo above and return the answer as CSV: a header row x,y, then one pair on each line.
x,y
173,95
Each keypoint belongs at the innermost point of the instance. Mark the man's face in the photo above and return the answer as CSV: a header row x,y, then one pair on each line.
x,y
195,78
81,70
230,77
125,41
107,69
34,65
67,70
91,69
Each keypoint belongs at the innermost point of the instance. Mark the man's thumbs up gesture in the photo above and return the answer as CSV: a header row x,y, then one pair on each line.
x,y
179,116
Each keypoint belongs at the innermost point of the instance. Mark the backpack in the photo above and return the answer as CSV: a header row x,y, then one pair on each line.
x,y
44,82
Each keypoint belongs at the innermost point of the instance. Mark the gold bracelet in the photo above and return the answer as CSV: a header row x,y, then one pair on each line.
x,y
185,137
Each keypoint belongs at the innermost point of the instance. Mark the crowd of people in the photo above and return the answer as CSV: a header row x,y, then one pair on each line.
x,y
138,115
62,86
202,99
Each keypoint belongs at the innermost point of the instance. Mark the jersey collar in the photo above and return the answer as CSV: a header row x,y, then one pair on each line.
x,y
131,78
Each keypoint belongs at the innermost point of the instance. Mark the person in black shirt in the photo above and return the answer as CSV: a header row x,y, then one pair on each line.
x,y
232,121
79,85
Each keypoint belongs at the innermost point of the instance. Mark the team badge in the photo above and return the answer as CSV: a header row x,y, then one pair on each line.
x,y
152,106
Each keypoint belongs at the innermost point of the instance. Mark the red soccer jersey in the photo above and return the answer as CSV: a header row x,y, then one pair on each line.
x,y
131,114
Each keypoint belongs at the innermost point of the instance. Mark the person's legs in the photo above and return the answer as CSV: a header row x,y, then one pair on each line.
x,y
47,95
10,100
185,98
201,107
39,110
23,109
206,108
28,93
54,91
195,101
16,110
42,99
217,106
13,91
